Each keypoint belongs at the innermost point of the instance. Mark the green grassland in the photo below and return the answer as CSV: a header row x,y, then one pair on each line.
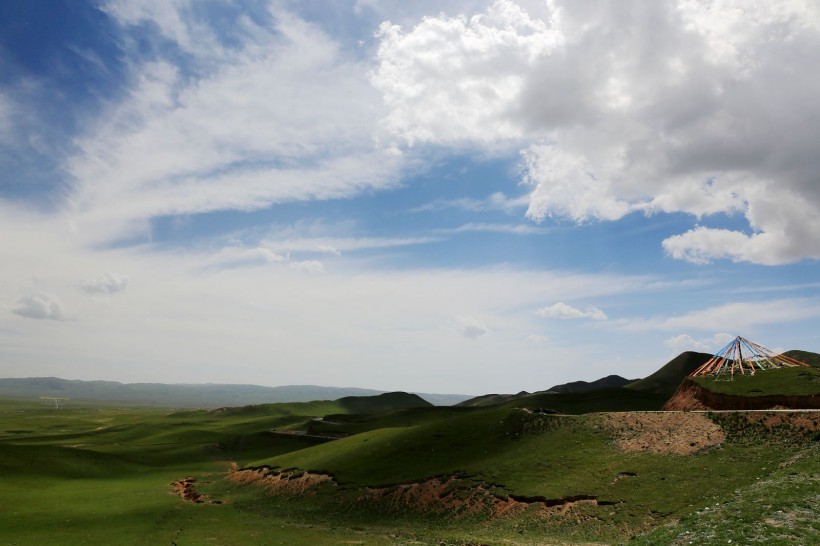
x,y
101,474
798,381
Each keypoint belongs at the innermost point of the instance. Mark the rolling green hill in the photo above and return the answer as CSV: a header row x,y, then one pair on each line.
x,y
407,472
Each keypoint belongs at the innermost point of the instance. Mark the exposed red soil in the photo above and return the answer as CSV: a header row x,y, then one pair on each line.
x,y
677,433
288,482
444,495
454,495
186,491
692,397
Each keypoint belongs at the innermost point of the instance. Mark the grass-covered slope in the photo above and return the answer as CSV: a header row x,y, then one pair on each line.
x,y
806,357
546,458
104,474
798,381
797,387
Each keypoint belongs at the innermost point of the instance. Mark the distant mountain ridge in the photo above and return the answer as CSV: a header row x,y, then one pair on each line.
x,y
189,395
608,382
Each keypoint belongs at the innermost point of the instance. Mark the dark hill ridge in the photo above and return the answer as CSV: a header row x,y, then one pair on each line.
x,y
389,401
190,396
665,381
576,387
806,357
491,399
608,382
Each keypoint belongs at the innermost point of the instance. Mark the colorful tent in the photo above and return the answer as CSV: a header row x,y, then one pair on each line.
x,y
743,355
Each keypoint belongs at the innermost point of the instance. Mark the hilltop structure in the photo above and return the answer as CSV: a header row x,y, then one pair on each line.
x,y
743,355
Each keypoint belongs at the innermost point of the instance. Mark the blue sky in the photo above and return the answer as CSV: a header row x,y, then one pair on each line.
x,y
465,197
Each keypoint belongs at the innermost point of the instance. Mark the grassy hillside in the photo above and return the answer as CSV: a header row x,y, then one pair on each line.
x,y
547,458
802,381
92,473
666,380
806,357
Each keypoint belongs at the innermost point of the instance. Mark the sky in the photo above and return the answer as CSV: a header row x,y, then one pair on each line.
x,y
463,197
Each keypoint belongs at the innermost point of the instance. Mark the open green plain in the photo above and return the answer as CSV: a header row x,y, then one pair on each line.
x,y
102,474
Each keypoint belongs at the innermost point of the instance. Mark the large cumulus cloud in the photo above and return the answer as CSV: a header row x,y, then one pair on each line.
x,y
701,107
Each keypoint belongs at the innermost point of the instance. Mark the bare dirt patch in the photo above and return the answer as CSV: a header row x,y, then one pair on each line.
x,y
186,490
287,482
455,495
805,421
668,432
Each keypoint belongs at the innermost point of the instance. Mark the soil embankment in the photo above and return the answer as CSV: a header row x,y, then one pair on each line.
x,y
692,397
186,490
458,495
288,482
453,494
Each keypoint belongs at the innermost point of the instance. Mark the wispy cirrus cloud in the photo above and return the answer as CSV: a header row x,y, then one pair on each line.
x,y
482,227
221,132
738,316
496,202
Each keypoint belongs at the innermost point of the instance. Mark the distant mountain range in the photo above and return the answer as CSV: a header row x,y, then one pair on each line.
x,y
662,382
189,396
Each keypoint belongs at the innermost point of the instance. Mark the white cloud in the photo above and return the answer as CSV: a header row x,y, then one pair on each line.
x,y
457,80
106,284
40,306
563,311
470,328
567,187
685,342
309,266
693,106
